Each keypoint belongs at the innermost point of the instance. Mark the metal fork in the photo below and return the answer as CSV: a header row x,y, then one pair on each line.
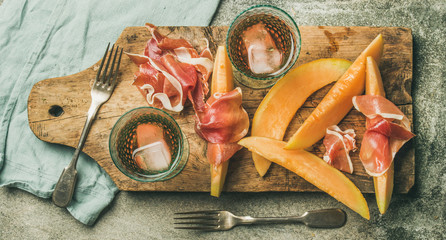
x,y
216,220
101,91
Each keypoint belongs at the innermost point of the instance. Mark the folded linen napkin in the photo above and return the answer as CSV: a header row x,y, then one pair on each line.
x,y
45,39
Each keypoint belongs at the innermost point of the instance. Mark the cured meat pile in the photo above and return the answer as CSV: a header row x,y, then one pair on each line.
x,y
388,129
172,71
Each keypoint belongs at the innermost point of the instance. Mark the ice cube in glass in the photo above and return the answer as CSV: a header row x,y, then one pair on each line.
x,y
153,157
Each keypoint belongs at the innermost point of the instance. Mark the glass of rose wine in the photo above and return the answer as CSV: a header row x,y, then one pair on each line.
x,y
263,43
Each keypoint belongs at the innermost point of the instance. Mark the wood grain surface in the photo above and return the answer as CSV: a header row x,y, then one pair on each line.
x,y
72,93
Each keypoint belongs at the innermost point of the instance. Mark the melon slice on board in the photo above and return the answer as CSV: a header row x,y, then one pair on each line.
x,y
289,93
338,101
311,168
384,183
222,81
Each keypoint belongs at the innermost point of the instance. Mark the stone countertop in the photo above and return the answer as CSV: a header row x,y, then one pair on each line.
x,y
420,214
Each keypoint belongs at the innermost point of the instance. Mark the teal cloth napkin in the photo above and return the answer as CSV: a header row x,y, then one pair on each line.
x,y
45,39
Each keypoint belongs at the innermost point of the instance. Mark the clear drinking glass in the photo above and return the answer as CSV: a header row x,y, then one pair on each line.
x,y
283,31
122,143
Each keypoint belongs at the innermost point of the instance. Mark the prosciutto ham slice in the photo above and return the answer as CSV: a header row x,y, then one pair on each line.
x,y
171,71
218,153
224,120
388,129
222,124
338,144
159,91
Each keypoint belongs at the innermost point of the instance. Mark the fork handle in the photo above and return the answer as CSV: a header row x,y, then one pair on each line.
x,y
91,114
63,192
325,218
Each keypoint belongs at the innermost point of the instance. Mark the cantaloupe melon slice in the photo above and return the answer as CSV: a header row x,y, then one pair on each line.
x,y
338,101
384,183
222,81
311,168
373,81
383,189
289,93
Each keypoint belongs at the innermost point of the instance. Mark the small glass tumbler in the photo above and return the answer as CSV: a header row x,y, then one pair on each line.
x,y
283,31
122,143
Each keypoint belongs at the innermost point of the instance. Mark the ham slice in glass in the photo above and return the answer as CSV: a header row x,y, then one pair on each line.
x,y
388,129
263,55
338,145
153,152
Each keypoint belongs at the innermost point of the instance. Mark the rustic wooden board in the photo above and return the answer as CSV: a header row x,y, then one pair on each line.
x,y
72,93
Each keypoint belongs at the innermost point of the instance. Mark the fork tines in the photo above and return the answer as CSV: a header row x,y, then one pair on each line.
x,y
104,78
199,220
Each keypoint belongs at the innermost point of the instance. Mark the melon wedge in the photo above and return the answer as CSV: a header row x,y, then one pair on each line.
x,y
338,101
384,183
311,168
283,100
383,189
222,81
373,81
222,77
218,177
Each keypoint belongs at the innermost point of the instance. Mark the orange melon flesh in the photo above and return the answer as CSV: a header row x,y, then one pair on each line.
x,y
383,189
384,183
373,81
311,168
222,77
218,177
222,81
338,101
283,100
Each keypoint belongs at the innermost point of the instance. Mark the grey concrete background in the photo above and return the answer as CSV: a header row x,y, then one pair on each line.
x,y
420,214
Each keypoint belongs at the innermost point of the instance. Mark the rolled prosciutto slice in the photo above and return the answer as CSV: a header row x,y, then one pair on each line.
x,y
222,124
223,120
217,153
338,145
388,129
171,71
